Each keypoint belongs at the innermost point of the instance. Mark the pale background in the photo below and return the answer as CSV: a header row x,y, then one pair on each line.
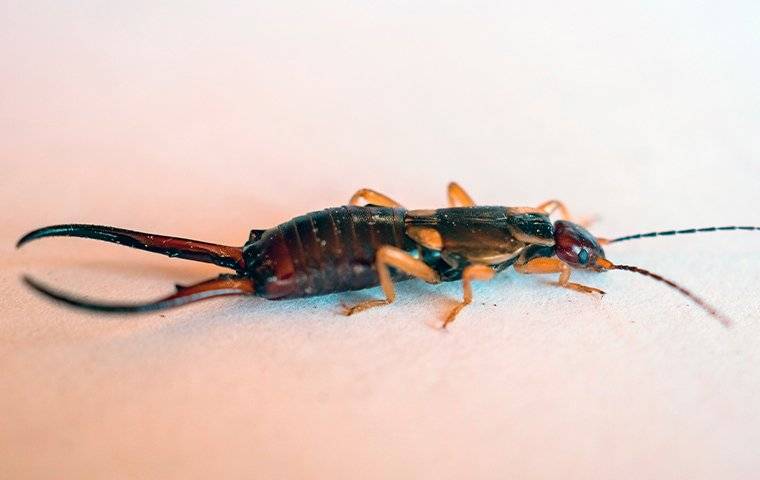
x,y
206,120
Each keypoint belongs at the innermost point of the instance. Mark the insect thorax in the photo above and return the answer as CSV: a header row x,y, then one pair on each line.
x,y
486,235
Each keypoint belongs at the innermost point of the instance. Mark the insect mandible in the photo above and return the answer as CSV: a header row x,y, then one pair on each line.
x,y
356,247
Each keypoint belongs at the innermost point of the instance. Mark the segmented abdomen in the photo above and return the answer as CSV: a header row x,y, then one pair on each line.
x,y
332,250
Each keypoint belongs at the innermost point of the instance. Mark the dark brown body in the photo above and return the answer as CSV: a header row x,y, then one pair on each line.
x,y
334,250
322,252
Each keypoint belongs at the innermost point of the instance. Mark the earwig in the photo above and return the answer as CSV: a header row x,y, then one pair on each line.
x,y
356,247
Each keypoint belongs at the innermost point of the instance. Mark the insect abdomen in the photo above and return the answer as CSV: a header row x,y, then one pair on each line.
x,y
328,251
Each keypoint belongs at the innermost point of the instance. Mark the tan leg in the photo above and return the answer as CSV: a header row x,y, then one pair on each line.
x,y
551,206
470,273
396,258
555,265
458,197
373,197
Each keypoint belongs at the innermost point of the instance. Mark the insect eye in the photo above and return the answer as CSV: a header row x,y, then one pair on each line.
x,y
583,256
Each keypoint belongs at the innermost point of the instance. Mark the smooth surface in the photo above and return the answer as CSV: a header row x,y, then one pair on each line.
x,y
205,121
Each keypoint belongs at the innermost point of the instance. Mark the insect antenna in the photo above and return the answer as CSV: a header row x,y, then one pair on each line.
x,y
706,306
667,233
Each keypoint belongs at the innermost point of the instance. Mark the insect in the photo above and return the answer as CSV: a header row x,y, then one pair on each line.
x,y
356,247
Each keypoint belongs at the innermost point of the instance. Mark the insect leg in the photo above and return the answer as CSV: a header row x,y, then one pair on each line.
x,y
470,273
551,206
374,198
555,265
388,256
458,197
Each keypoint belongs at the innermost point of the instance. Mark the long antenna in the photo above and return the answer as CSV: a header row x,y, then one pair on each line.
x,y
706,306
667,233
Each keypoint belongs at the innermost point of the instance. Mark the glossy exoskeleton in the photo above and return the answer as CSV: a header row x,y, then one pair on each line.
x,y
355,247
